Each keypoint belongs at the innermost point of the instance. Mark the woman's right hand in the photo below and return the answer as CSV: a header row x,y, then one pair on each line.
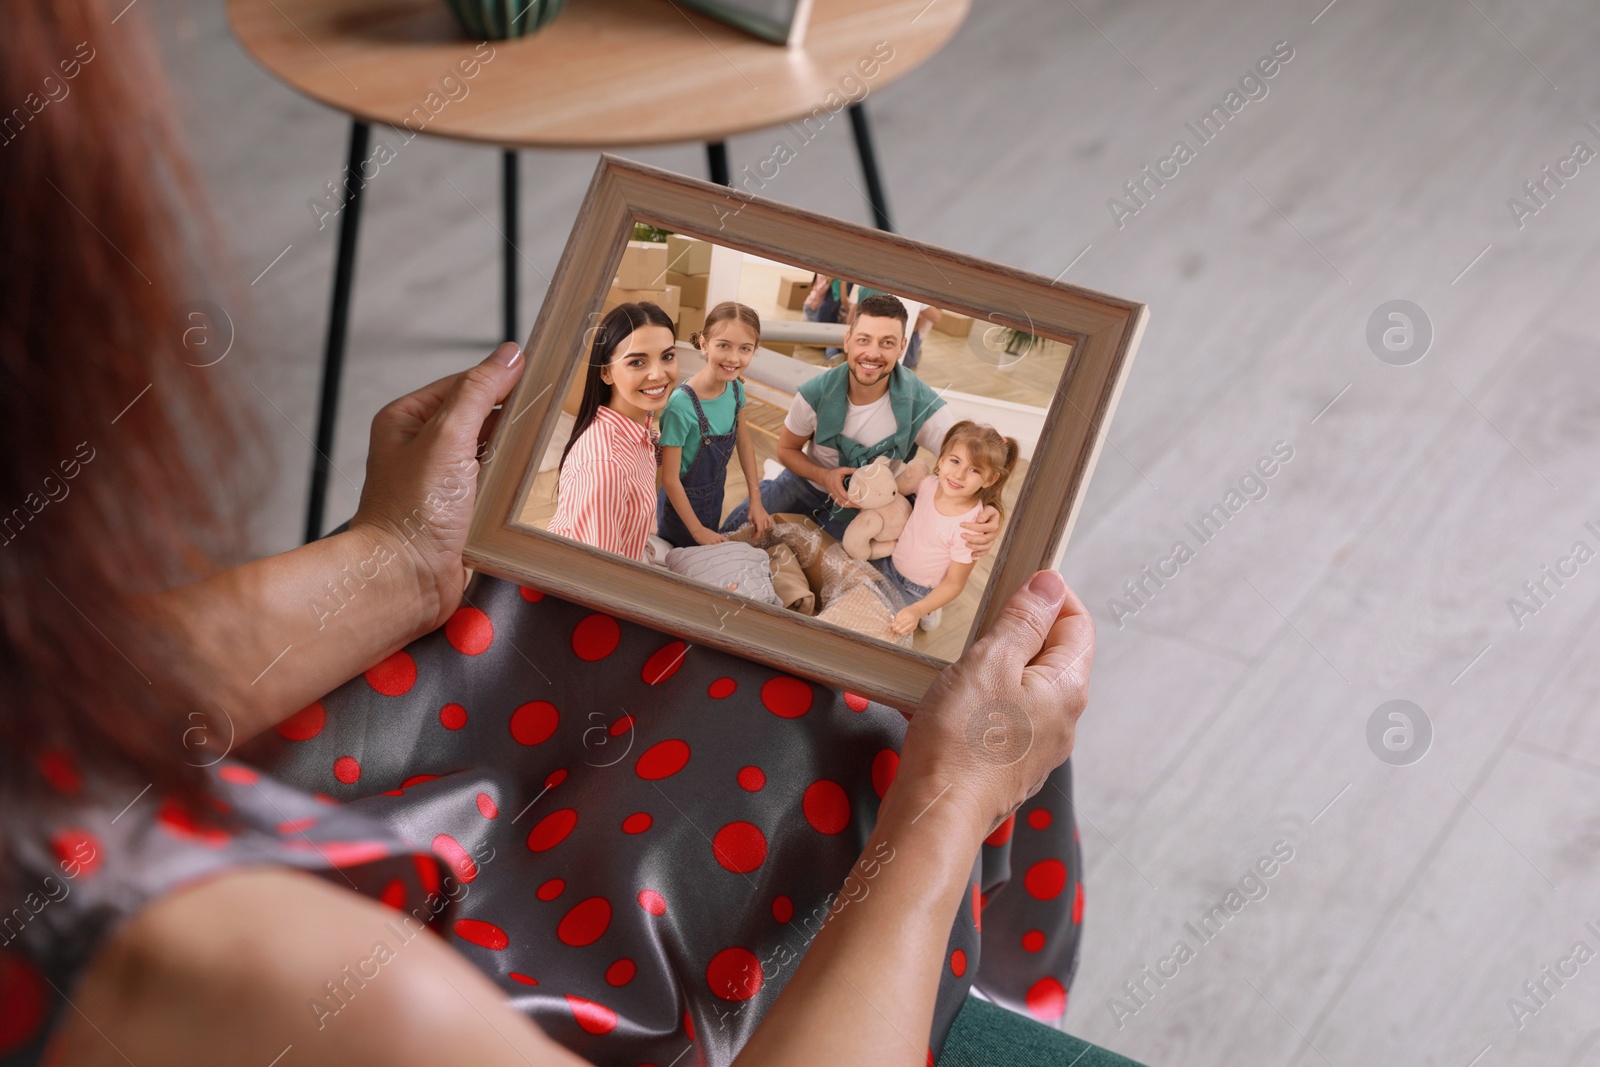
x,y
997,721
707,536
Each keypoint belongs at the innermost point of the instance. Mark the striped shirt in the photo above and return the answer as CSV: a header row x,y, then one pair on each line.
x,y
606,494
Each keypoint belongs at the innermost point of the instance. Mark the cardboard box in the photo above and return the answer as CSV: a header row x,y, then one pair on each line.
x,y
692,287
668,298
644,266
953,324
690,319
688,255
792,293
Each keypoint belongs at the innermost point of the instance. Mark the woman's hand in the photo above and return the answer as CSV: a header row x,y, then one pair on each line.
x,y
997,721
981,532
707,536
759,516
422,472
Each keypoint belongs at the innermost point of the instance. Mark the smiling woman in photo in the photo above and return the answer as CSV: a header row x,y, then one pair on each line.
x,y
606,494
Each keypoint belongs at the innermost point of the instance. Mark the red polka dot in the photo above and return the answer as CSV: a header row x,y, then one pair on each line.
x,y
455,857
78,852
555,778
343,854
487,807
394,676
347,770
782,909
585,922
653,902
452,716
417,779
294,826
621,972
1002,833
1077,905
688,1026
722,687
469,631
751,779
637,823
176,819
958,963
237,775
664,662
595,637
884,767
740,847
23,999
594,1018
427,873
60,769
324,798
532,596
977,908
551,889
786,696
488,935
551,830
734,974
304,724
1046,879
525,979
1033,941
826,806
534,722
1047,999
855,702
662,760
394,895
1040,818
621,726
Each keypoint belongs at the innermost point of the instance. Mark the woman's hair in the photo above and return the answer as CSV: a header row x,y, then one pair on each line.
x,y
124,470
990,451
727,311
615,328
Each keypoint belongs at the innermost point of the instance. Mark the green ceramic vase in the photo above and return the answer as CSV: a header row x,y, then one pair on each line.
x,y
498,20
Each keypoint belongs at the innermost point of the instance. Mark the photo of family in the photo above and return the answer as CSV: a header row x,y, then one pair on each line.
x,y
802,440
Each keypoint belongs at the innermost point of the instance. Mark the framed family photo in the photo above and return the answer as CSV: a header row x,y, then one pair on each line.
x,y
824,447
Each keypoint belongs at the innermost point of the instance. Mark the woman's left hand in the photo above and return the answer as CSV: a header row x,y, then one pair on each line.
x,y
759,516
422,472
981,532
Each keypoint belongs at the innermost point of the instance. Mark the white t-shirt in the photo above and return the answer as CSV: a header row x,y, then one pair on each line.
x,y
865,424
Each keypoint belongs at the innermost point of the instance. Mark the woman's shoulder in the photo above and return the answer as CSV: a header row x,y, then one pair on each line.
x,y
268,957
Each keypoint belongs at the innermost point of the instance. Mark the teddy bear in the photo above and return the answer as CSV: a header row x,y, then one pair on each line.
x,y
877,491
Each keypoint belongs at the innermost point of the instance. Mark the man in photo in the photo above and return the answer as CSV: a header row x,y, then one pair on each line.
x,y
868,406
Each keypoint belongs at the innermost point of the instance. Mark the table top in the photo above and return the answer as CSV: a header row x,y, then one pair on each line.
x,y
604,73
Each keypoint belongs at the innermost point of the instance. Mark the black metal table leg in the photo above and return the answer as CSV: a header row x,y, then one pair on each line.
x,y
717,161
869,168
508,196
338,327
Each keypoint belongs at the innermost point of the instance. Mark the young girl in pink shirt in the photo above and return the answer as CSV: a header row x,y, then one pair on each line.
x,y
931,563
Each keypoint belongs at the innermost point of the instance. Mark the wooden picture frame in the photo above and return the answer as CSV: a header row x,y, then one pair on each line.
x,y
1104,331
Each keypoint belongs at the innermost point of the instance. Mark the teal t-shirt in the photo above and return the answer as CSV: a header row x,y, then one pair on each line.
x,y
680,428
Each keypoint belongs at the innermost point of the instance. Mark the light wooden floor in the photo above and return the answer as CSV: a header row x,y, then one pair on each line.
x,y
1231,711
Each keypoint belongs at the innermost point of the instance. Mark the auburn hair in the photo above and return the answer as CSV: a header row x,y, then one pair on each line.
x,y
990,450
727,311
125,470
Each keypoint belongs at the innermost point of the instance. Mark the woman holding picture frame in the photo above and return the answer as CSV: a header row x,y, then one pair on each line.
x,y
180,906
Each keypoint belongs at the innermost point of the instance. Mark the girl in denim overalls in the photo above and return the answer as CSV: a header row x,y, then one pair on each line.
x,y
701,429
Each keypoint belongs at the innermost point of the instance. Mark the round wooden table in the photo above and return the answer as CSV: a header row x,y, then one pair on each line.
x,y
603,74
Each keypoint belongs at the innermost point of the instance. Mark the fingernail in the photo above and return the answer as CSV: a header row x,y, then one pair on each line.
x,y
507,354
1048,585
